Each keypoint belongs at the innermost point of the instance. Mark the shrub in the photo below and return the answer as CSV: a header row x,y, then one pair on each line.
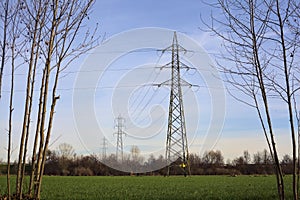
x,y
82,171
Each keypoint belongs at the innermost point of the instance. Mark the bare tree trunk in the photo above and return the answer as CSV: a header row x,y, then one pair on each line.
x,y
28,108
44,96
279,175
298,163
31,182
29,114
260,78
52,111
34,54
40,15
11,97
3,56
40,134
279,178
289,100
36,139
11,109
263,125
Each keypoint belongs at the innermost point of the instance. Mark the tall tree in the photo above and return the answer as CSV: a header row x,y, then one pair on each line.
x,y
12,46
65,24
53,35
3,43
16,46
34,32
260,63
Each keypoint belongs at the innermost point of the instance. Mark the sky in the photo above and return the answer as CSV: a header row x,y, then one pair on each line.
x,y
85,114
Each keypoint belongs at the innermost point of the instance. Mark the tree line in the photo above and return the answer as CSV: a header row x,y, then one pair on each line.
x,y
64,162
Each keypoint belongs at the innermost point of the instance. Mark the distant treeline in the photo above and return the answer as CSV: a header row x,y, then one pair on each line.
x,y
210,163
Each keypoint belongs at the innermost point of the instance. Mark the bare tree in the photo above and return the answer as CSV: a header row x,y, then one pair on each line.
x,y
247,157
293,74
260,62
10,117
66,151
16,46
65,25
213,158
42,35
3,43
135,152
257,158
285,88
12,45
287,159
32,35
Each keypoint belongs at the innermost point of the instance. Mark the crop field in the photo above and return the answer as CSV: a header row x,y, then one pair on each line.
x,y
157,187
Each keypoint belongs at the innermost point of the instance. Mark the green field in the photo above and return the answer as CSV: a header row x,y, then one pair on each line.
x,y
150,187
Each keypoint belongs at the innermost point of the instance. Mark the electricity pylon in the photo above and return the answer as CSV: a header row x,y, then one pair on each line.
x,y
119,124
177,153
104,147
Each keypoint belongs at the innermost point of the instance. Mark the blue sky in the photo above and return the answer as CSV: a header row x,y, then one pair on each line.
x,y
241,130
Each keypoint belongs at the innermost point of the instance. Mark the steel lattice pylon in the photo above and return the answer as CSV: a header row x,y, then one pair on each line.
x,y
176,146
104,147
119,124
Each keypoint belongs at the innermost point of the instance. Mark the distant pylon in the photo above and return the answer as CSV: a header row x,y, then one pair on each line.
x,y
119,124
177,153
104,147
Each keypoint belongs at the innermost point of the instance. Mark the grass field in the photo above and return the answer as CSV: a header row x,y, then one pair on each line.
x,y
149,187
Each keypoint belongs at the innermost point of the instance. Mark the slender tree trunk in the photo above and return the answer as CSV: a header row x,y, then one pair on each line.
x,y
11,96
36,138
263,126
31,181
39,113
40,167
10,120
41,131
52,111
3,56
278,178
42,147
260,77
27,113
289,100
298,171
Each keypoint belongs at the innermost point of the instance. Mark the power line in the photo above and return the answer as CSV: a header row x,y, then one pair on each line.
x,y
149,99
108,87
139,94
150,50
148,79
147,92
160,117
85,71
148,102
